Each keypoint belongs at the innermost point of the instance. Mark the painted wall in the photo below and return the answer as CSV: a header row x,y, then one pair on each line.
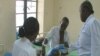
x,y
96,6
7,25
41,14
48,14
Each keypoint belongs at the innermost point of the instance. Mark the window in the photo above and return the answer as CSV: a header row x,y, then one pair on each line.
x,y
31,11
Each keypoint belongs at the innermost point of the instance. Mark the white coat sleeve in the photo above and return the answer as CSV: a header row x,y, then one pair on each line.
x,y
95,38
50,34
66,37
30,53
74,46
23,54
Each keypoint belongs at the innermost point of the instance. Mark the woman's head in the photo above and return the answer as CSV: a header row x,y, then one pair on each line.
x,y
30,28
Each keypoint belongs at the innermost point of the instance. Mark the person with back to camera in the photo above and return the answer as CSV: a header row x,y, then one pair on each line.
x,y
27,33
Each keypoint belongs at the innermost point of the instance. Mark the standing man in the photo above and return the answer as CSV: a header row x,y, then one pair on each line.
x,y
89,39
58,34
58,38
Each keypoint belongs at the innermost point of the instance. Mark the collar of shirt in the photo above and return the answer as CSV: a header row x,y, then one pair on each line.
x,y
27,41
88,19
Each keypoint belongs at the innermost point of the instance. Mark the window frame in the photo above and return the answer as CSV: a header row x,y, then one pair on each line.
x,y
25,10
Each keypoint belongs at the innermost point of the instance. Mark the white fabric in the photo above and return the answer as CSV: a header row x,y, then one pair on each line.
x,y
89,39
95,38
23,47
53,36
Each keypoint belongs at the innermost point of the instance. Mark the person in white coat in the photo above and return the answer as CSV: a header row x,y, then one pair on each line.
x,y
58,36
27,33
88,43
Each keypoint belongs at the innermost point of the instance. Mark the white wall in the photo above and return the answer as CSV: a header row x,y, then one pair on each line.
x,y
45,14
7,23
96,6
41,14
48,14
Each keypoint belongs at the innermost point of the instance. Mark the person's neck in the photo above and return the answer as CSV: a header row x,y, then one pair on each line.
x,y
87,16
31,40
61,37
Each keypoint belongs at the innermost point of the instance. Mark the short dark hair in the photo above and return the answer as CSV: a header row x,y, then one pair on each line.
x,y
88,6
65,19
30,27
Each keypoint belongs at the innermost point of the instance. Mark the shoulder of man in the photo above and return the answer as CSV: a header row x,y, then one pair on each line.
x,y
55,27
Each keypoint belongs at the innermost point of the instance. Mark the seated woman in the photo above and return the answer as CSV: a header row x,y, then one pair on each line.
x,y
27,33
